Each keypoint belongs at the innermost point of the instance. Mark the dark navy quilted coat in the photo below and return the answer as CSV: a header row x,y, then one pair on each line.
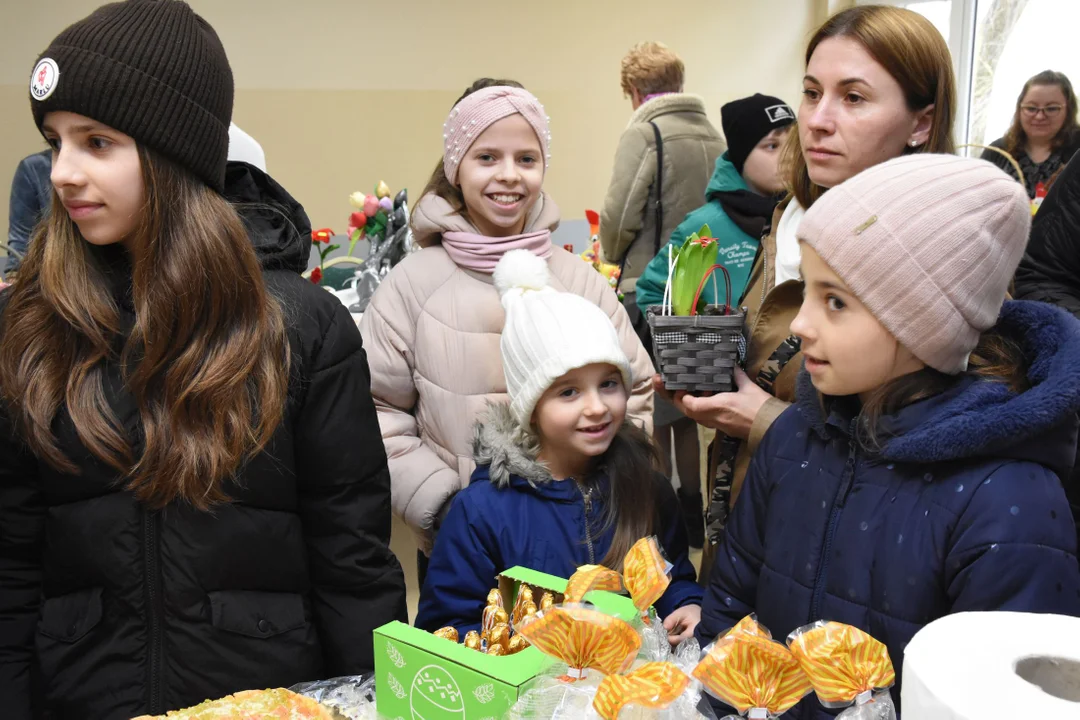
x,y
963,509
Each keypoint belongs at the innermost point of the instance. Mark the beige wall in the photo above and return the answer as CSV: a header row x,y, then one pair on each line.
x,y
342,93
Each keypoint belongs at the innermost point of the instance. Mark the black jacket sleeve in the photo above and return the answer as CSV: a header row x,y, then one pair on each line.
x,y
22,524
998,159
344,486
1050,269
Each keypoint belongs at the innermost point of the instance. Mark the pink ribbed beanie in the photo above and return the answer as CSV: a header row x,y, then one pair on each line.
x,y
929,244
479,111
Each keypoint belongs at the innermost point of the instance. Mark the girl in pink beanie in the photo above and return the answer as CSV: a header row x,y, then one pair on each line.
x,y
918,473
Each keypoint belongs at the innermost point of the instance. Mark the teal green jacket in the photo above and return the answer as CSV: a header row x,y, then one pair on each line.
x,y
737,249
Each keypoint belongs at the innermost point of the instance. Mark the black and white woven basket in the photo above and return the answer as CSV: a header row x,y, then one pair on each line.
x,y
698,353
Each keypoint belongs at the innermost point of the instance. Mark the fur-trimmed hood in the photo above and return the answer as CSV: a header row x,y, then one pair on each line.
x,y
500,443
978,418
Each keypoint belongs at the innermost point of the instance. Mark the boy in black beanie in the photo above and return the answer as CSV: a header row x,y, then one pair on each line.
x,y
740,198
739,204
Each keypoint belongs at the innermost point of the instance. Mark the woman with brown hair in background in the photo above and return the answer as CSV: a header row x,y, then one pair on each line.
x,y
1044,134
879,84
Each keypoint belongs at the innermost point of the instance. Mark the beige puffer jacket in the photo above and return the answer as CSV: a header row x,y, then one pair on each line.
x,y
432,335
691,146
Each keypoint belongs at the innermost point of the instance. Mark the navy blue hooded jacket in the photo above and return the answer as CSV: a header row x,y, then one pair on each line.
x,y
962,510
513,513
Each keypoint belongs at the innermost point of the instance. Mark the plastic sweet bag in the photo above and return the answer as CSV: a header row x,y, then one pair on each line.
x,y
848,669
584,638
646,574
754,674
352,697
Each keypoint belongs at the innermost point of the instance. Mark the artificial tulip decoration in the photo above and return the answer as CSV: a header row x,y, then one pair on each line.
x,y
322,239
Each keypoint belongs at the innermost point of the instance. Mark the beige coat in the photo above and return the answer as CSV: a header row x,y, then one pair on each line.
x,y
691,146
432,335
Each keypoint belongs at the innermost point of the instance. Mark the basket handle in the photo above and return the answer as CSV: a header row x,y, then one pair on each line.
x,y
727,286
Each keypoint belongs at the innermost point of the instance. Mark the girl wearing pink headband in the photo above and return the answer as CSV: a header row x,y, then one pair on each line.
x,y
432,329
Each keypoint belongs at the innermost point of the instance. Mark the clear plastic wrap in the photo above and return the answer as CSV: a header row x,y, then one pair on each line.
x,y
848,669
352,697
550,698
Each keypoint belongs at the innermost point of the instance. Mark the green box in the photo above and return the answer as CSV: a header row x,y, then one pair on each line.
x,y
423,677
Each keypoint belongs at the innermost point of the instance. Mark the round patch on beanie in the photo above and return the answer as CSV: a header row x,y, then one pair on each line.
x,y
43,80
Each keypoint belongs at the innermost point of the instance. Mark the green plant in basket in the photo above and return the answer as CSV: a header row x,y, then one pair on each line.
x,y
694,262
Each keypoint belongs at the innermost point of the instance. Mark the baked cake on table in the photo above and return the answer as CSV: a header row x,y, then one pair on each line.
x,y
277,704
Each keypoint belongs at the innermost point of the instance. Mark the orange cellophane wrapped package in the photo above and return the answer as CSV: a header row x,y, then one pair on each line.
x,y
583,638
645,573
844,663
591,577
748,670
653,685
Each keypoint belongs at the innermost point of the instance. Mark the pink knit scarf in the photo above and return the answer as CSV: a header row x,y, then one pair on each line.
x,y
481,253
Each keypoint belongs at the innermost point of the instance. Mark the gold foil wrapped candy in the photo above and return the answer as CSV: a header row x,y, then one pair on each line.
x,y
525,596
472,640
447,633
517,644
547,601
499,635
497,650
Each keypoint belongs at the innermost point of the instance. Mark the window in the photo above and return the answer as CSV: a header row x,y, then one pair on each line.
x,y
996,46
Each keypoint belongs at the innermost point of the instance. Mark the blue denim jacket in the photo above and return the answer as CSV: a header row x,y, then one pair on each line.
x,y
31,195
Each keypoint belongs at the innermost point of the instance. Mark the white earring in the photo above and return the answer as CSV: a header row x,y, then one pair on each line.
x,y
914,143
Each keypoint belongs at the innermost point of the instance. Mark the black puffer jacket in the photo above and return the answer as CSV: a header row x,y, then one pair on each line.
x,y
109,610
1050,270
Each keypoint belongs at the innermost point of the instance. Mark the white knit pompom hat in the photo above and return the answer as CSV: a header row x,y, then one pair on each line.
x,y
548,333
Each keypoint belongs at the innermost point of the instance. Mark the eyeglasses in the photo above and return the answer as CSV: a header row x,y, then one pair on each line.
x,y
1050,111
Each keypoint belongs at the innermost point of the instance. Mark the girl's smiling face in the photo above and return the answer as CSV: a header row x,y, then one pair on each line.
x,y
501,175
578,416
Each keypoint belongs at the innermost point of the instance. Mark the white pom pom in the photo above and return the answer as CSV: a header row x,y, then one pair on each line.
x,y
520,269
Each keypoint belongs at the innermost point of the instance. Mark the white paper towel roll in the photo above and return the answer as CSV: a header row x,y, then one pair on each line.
x,y
993,666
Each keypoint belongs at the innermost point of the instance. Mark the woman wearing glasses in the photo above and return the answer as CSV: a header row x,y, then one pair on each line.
x,y
1044,133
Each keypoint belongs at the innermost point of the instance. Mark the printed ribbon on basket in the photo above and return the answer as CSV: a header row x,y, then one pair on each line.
x,y
583,638
653,685
842,662
751,672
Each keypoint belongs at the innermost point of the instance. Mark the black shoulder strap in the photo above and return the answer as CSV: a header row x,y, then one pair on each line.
x,y
658,208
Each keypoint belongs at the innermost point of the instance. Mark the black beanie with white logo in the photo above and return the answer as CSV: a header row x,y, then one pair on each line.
x,y
152,69
748,120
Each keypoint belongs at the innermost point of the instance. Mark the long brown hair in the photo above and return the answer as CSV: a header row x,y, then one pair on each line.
x,y
1016,138
206,361
439,184
913,52
632,505
995,358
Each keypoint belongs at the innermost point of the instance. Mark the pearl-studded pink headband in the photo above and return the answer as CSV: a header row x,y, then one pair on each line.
x,y
479,111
